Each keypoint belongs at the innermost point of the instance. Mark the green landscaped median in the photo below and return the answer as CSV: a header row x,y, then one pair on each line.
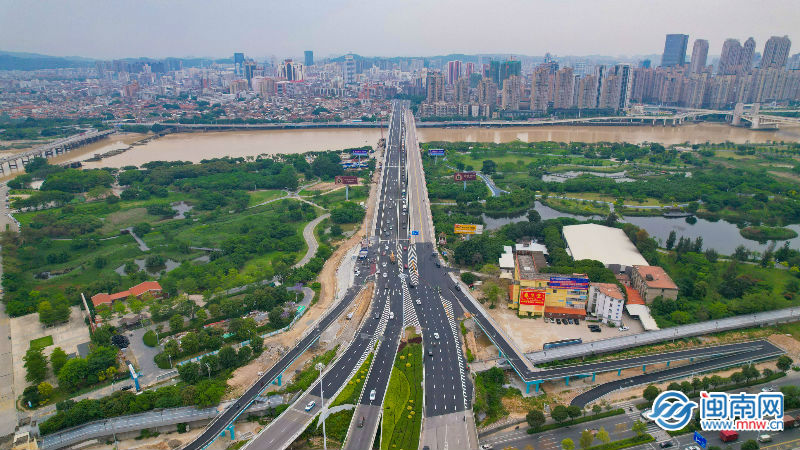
x,y
402,407
624,443
764,233
553,426
350,393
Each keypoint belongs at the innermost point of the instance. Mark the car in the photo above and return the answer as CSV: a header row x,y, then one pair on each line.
x,y
419,302
372,395
436,335
430,352
596,330
570,321
767,389
385,275
405,247
577,321
763,438
391,315
438,264
623,328
564,322
384,264
361,422
376,316
486,447
665,444
405,265
311,405
691,447
126,388
558,321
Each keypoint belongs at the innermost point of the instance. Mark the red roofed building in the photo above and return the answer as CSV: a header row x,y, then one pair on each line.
x,y
137,291
652,282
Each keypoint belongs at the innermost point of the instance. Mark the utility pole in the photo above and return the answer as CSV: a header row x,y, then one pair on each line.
x,y
321,366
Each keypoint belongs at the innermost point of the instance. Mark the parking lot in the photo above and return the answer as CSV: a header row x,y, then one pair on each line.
x,y
531,334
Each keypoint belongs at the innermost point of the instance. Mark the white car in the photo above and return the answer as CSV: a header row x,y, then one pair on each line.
x,y
436,335
385,274
391,315
623,328
418,302
311,405
768,389
372,395
384,264
691,447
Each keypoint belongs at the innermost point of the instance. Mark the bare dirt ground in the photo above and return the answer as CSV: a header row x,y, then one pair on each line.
x,y
531,334
168,441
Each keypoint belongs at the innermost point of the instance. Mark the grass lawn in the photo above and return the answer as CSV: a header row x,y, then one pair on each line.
x,y
790,328
586,208
42,342
257,197
402,408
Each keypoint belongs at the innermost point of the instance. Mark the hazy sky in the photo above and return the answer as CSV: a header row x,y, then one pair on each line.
x,y
159,28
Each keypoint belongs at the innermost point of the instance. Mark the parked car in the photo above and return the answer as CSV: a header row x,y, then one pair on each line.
x,y
623,328
558,321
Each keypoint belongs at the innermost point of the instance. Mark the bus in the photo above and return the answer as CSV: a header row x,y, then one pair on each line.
x,y
561,343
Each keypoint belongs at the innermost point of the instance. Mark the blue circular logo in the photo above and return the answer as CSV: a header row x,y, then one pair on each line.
x,y
672,410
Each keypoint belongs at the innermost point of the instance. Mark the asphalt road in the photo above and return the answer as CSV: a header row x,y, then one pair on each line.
x,y
387,300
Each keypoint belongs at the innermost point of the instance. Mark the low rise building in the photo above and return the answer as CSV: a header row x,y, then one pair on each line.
x,y
608,245
137,291
543,294
605,302
652,282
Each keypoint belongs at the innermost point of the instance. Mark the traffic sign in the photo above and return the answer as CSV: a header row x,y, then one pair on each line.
x,y
415,232
346,179
700,439
436,152
461,228
359,152
464,176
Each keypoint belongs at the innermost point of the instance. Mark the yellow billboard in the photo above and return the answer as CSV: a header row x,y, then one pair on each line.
x,y
462,228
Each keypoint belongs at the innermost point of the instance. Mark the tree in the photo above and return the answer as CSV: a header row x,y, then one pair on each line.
x,y
586,439
35,365
227,357
671,240
650,393
102,335
750,444
154,262
567,444
243,328
149,338
120,340
534,216
784,363
488,167
189,372
57,359
176,323
257,345
73,374
611,219
559,413
737,377
535,418
190,343
245,354
45,391
468,278
574,411
596,409
603,436
492,292
172,348
136,305
639,427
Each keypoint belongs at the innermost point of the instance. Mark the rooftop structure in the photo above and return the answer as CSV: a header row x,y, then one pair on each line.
x,y
605,244
652,282
136,291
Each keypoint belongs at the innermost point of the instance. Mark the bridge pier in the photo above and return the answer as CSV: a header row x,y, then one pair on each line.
x,y
277,381
644,367
499,353
230,430
566,379
619,372
594,375
667,363
528,386
13,164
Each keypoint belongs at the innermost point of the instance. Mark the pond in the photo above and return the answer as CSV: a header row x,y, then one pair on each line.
x,y
722,236
561,177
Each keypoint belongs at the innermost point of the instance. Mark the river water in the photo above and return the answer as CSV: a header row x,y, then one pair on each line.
x,y
722,236
197,146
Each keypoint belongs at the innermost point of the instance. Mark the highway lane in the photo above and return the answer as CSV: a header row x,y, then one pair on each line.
x,y
339,373
757,351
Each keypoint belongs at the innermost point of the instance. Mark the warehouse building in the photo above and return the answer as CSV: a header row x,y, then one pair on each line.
x,y
608,245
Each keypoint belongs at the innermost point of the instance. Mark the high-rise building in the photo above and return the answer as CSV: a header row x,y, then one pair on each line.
x,y
624,74
776,52
238,60
487,93
543,86
499,71
511,93
453,71
587,92
291,71
469,69
674,50
730,57
461,90
349,69
309,58
699,56
645,64
794,62
565,84
746,58
435,87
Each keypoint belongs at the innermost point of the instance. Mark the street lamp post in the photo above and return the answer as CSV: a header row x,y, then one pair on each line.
x,y
321,366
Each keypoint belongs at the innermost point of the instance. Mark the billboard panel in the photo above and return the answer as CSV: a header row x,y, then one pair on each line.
x,y
533,297
346,179
569,282
464,176
463,228
359,152
436,152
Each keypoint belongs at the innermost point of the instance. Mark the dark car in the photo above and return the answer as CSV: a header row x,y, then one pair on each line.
x,y
665,444
126,388
596,330
577,321
437,264
558,321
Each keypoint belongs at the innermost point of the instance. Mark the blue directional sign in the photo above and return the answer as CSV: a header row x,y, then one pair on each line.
x,y
436,152
359,152
414,232
700,439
